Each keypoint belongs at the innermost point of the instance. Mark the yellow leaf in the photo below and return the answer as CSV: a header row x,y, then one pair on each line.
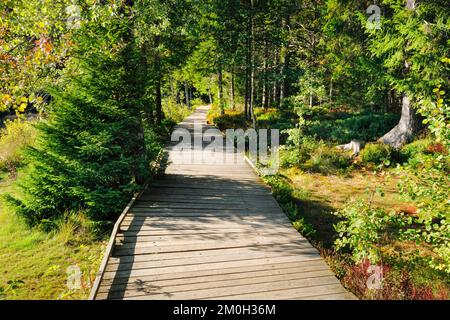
x,y
21,107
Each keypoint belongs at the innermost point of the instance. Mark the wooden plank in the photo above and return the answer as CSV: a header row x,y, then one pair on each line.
x,y
312,285
305,271
151,288
199,275
269,251
247,258
113,271
204,244
307,292
212,220
177,239
129,231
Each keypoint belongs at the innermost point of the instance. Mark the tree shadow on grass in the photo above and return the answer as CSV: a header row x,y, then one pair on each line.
x,y
319,215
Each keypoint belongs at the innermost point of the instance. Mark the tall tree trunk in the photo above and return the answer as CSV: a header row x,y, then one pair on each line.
x,y
407,127
252,65
265,89
284,58
158,73
172,90
409,122
178,97
220,83
331,90
209,96
186,95
232,91
276,82
158,101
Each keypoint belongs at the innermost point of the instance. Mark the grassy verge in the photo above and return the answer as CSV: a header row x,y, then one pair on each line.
x,y
34,264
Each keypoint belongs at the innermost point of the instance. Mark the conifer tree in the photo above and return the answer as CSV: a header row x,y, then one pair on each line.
x,y
91,151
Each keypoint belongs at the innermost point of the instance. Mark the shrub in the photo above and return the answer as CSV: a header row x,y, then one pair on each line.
x,y
283,192
306,229
327,160
299,152
290,157
377,153
275,118
362,230
176,112
16,135
230,120
367,127
413,150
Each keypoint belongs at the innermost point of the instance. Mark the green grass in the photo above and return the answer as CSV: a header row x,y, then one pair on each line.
x,y
34,263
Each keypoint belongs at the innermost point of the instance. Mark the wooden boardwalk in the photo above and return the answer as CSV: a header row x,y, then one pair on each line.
x,y
211,231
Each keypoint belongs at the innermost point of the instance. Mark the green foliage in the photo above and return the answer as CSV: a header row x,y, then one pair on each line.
x,y
377,153
306,229
346,127
229,120
415,152
312,155
283,193
428,185
363,230
281,119
327,160
176,112
14,138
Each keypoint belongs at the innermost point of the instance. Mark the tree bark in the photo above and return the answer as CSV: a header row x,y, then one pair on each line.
x,y
252,65
209,96
409,122
186,95
331,90
265,89
232,91
158,100
220,83
283,63
276,83
407,127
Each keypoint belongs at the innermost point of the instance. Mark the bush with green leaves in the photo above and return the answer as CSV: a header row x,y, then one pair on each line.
x,y
364,230
428,184
298,150
325,159
312,155
377,153
283,192
343,128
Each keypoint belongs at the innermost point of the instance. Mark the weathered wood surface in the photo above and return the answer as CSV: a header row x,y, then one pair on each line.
x,y
212,230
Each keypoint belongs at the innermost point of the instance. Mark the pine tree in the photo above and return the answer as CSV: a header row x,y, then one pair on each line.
x,y
91,152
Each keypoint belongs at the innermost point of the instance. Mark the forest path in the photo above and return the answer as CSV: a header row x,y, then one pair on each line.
x,y
211,230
